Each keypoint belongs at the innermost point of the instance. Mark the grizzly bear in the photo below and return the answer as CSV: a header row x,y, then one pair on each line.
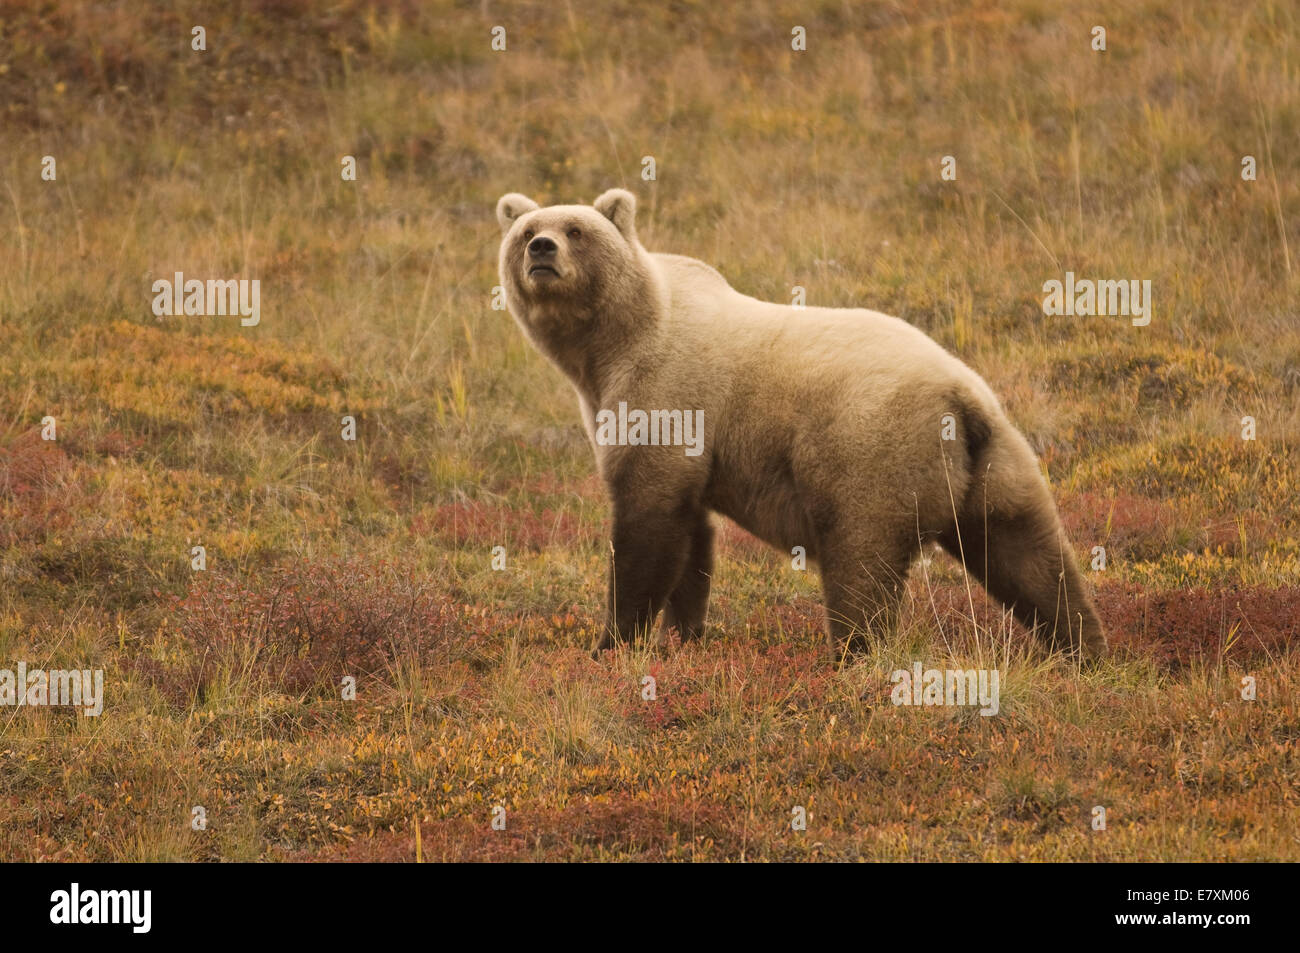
x,y
844,431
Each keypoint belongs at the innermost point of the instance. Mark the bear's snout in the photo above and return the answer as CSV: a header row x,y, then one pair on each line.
x,y
542,247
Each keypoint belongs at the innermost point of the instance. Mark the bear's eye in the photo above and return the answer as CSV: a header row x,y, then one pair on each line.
x,y
575,233
528,235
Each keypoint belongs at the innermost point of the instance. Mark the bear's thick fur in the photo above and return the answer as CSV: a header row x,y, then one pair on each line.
x,y
844,431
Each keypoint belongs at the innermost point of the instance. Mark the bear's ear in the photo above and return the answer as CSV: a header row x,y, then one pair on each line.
x,y
619,206
510,206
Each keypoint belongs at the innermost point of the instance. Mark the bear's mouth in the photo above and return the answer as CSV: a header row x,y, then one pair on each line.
x,y
542,270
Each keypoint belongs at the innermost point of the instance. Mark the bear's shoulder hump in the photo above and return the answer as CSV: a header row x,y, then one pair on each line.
x,y
682,268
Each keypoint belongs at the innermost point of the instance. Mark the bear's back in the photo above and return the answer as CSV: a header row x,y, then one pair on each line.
x,y
850,349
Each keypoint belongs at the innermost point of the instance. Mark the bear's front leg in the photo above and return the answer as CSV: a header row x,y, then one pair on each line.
x,y
863,568
689,602
650,550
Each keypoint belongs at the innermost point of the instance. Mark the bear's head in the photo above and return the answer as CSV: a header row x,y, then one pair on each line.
x,y
565,266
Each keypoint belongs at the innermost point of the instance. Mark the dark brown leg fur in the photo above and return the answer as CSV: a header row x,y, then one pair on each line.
x,y
689,602
651,549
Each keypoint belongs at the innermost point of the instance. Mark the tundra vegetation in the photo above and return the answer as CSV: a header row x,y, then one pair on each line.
x,y
373,559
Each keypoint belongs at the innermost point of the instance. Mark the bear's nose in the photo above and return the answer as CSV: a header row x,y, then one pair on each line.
x,y
541,246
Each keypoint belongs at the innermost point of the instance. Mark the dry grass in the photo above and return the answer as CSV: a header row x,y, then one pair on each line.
x,y
373,559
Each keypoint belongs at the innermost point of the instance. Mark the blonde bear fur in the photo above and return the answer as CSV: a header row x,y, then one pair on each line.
x,y
823,428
